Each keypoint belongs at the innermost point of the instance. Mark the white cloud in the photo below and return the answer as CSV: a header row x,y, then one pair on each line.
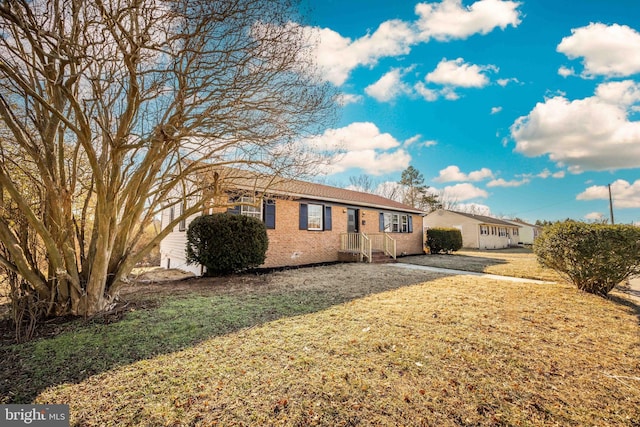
x,y
416,139
462,192
594,216
503,183
337,56
547,173
348,98
458,73
624,194
566,72
495,110
473,208
361,145
504,82
452,173
594,133
354,137
428,94
388,87
608,50
449,19
370,161
430,143
449,94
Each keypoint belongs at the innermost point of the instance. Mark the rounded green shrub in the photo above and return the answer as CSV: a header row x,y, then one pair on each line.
x,y
444,240
594,257
226,243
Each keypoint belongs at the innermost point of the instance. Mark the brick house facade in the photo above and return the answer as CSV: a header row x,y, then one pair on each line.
x,y
305,222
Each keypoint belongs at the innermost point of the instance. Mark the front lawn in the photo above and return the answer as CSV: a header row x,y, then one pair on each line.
x,y
515,262
358,345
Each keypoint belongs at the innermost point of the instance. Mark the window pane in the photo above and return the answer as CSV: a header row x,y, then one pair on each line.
x,y
387,222
253,211
314,217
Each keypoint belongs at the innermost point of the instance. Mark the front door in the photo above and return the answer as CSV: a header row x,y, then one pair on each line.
x,y
352,220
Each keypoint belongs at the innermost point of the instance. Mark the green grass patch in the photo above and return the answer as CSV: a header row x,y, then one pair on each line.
x,y
177,322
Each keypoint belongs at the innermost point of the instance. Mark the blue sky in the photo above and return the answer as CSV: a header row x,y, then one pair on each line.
x,y
527,109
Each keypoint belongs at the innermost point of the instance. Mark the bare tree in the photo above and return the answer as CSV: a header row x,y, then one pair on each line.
x,y
110,106
362,183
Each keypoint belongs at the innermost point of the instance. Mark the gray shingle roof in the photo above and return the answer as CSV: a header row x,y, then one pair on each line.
x,y
485,219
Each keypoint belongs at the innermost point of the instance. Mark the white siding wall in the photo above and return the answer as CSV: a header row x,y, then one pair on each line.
x,y
173,247
471,237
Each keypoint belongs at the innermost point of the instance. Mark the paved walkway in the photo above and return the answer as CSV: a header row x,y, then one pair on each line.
x,y
634,288
469,273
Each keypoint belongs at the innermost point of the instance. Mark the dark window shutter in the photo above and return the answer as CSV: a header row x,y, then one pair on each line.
x,y
304,209
270,214
327,217
381,221
410,223
235,210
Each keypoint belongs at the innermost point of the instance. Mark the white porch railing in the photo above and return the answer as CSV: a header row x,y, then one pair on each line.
x,y
364,244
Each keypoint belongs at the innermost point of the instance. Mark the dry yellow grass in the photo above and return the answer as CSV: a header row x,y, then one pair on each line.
x,y
450,351
507,262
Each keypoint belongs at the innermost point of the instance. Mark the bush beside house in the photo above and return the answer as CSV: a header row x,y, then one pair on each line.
x,y
226,243
444,240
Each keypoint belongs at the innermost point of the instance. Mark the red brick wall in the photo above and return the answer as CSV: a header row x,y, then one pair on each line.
x,y
288,245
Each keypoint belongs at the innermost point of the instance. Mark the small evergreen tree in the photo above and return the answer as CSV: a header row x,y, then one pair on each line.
x,y
226,243
416,192
594,257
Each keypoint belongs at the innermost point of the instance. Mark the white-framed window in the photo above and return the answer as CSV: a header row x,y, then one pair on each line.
x,y
247,208
516,232
314,217
387,222
484,230
503,232
395,223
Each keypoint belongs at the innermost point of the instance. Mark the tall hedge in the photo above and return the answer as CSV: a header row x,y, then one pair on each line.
x,y
226,243
594,257
444,240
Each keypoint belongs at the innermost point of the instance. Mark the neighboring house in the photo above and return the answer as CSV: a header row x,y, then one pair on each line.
x,y
528,232
308,223
478,231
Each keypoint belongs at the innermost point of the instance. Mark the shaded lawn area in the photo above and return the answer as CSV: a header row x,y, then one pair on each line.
x,y
170,316
347,345
515,262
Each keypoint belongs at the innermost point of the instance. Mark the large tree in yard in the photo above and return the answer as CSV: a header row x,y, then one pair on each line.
x,y
108,107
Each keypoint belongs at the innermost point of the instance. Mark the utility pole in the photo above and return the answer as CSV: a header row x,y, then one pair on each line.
x,y
610,204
